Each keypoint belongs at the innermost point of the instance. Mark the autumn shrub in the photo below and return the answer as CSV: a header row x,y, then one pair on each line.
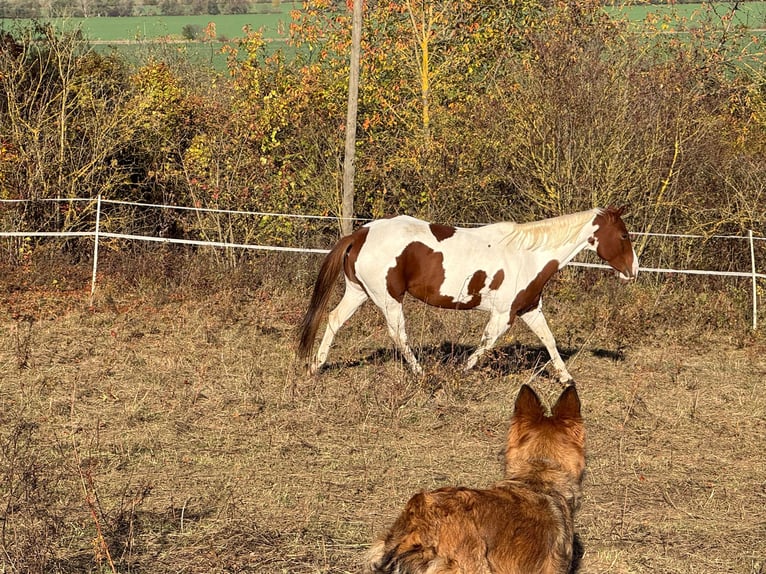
x,y
267,144
593,114
61,130
540,109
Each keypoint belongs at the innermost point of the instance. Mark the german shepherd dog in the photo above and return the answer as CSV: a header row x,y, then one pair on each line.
x,y
524,524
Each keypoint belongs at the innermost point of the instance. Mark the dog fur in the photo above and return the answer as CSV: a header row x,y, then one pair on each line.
x,y
523,524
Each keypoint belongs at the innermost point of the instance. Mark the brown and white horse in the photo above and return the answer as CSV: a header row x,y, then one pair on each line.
x,y
501,268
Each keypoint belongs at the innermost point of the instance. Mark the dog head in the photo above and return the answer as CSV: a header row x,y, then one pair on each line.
x,y
556,441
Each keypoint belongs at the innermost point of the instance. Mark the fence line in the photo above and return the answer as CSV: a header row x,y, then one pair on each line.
x,y
322,217
753,274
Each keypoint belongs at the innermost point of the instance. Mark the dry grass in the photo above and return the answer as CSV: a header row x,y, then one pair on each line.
x,y
167,429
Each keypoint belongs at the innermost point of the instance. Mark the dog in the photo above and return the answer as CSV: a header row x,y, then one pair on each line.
x,y
523,524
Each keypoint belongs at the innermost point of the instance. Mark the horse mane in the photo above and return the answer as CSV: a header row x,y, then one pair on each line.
x,y
551,232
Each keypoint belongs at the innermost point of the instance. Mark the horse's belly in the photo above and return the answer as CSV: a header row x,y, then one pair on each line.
x,y
458,289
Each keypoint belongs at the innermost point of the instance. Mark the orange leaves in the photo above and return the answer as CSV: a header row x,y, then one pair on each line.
x,y
209,33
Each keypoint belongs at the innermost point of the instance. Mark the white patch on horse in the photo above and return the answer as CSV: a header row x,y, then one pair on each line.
x,y
461,265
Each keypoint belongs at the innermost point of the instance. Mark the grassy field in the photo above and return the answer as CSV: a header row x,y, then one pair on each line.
x,y
144,28
133,36
751,14
748,14
169,424
141,36
105,30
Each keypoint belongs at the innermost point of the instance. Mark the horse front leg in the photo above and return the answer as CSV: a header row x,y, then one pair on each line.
x,y
497,325
535,320
394,314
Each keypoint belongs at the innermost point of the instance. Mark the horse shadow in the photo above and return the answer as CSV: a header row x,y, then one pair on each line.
x,y
503,360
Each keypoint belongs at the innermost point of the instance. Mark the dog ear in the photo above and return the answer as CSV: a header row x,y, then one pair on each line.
x,y
568,405
528,404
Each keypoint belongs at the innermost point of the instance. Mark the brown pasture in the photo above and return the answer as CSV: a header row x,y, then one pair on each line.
x,y
167,428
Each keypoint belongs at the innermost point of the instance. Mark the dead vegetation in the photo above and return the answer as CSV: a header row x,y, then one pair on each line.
x,y
168,429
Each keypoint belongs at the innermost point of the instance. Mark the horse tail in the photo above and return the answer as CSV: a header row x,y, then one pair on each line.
x,y
328,273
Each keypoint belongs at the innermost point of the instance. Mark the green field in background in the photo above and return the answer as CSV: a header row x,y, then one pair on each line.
x,y
132,35
748,14
138,37
152,27
141,28
274,24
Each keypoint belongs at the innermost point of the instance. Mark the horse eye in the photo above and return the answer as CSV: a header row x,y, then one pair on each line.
x,y
625,236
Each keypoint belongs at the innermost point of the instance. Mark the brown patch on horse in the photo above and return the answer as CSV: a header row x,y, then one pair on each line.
x,y
529,297
475,285
441,232
497,280
419,271
349,263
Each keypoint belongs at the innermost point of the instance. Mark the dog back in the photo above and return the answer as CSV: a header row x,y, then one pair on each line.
x,y
522,524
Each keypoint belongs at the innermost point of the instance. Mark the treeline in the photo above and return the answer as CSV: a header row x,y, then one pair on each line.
x,y
111,8
476,112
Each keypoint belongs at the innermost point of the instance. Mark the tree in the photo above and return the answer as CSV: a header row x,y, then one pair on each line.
x,y
237,7
171,8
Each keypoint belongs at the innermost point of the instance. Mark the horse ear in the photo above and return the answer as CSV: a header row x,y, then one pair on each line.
x,y
528,404
618,211
568,405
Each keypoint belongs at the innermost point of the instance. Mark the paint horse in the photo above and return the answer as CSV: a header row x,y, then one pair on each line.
x,y
501,268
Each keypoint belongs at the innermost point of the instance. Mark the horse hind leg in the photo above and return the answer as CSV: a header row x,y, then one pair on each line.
x,y
352,299
497,325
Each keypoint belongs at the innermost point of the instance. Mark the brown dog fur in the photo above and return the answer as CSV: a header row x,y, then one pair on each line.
x,y
524,524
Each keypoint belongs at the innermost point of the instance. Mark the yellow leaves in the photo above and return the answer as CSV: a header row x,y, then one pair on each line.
x,y
159,92
199,154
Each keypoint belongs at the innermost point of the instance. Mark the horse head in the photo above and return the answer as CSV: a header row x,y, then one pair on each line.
x,y
611,241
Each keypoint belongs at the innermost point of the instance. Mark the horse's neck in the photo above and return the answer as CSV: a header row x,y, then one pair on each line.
x,y
542,237
568,250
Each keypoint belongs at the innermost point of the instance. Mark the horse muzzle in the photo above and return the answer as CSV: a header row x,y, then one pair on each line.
x,y
629,273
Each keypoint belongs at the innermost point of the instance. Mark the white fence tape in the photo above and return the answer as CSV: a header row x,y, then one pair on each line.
x,y
97,233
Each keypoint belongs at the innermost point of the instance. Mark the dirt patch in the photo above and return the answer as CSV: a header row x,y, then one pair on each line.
x,y
164,430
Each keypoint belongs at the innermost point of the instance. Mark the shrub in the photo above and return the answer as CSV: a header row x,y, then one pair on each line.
x,y
191,32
